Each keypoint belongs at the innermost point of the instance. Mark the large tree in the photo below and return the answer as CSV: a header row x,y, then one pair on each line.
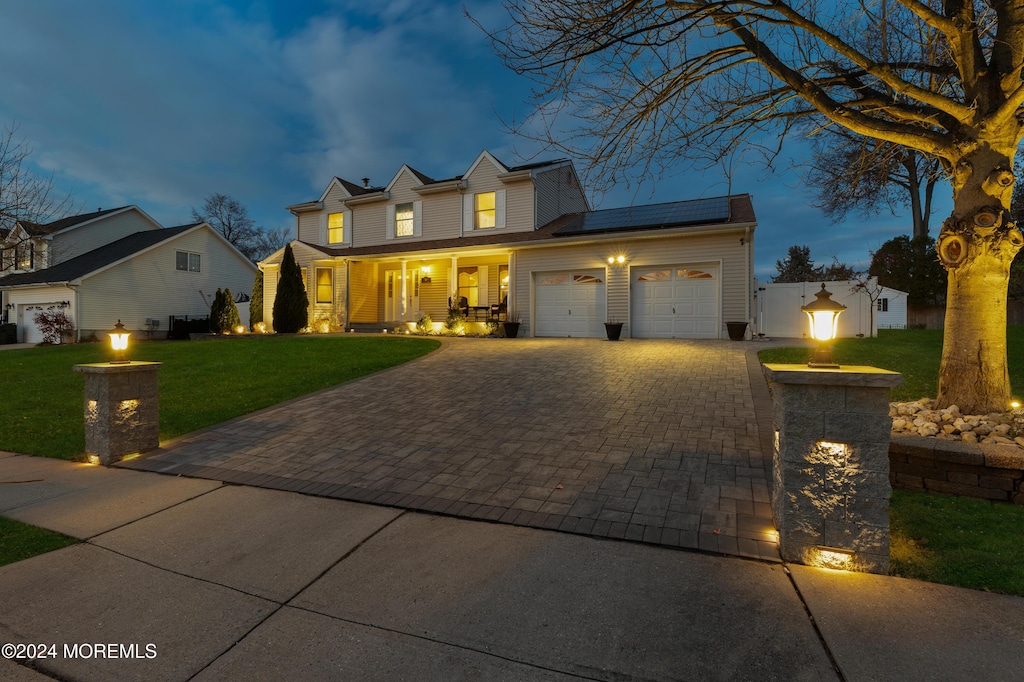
x,y
231,218
659,81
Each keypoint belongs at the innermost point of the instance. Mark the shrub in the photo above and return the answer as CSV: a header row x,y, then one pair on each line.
x,y
216,309
425,325
229,321
291,304
256,301
55,326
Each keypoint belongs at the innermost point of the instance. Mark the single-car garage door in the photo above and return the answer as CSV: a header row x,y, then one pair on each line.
x,y
569,303
675,302
29,330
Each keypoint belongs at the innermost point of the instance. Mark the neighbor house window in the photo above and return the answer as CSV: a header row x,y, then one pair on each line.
x,y
883,305
24,256
484,210
188,262
336,228
404,220
324,285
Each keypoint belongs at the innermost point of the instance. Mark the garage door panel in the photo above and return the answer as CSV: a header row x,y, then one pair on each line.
x,y
570,303
675,302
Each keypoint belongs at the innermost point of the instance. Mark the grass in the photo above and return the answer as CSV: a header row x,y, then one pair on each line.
x,y
957,541
914,353
21,541
935,537
201,382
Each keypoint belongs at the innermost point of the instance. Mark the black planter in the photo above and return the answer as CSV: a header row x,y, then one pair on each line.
x,y
737,330
613,330
511,329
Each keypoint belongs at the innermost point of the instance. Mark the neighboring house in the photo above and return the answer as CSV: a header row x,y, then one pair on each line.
x,y
523,236
141,279
29,246
868,308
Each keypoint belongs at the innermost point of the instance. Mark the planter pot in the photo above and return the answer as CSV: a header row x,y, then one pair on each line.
x,y
737,330
613,330
511,329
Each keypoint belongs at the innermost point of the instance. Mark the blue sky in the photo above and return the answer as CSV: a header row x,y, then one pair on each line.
x,y
161,104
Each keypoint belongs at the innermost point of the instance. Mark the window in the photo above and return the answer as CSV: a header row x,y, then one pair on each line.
x,y
324,285
336,228
502,283
24,256
883,305
185,261
484,210
469,285
404,220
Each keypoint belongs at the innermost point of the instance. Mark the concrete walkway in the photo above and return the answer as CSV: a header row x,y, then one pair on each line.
x,y
181,579
657,441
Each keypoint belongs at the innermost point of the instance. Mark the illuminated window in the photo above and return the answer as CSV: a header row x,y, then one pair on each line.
x,y
469,285
404,220
336,228
502,283
655,276
25,256
187,262
553,280
324,285
585,279
484,210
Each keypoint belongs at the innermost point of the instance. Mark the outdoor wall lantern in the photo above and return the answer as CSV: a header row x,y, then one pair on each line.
x,y
612,260
119,343
823,314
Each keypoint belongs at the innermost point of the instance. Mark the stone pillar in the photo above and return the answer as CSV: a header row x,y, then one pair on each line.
x,y
830,487
122,409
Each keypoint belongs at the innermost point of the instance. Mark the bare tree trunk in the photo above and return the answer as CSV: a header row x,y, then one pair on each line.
x,y
914,186
977,245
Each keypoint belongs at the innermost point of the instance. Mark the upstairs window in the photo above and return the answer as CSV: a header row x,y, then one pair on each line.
x,y
187,262
404,224
24,256
484,210
336,228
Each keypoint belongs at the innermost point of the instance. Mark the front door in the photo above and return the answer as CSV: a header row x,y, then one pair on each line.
x,y
394,310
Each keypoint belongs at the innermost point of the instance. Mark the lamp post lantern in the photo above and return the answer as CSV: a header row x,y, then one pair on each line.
x,y
119,343
823,314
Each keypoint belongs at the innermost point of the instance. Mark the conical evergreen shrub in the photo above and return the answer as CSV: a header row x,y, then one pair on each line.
x,y
256,301
215,312
290,304
229,318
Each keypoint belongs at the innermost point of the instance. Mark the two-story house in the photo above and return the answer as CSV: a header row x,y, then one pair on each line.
x,y
380,257
112,265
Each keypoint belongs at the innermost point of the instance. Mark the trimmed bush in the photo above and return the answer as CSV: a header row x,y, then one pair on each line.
x,y
215,312
229,318
256,301
291,304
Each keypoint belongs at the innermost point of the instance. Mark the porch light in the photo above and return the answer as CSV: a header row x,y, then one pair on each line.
x,y
119,343
823,315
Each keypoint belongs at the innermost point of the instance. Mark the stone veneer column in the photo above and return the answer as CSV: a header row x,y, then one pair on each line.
x,y
830,487
122,409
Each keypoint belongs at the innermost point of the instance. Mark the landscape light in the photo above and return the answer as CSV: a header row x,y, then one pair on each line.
x,y
119,343
823,315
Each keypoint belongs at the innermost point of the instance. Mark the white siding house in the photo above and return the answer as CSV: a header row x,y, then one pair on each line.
x,y
521,238
138,279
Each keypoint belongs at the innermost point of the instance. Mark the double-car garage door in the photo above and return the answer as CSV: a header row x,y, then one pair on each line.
x,y
666,301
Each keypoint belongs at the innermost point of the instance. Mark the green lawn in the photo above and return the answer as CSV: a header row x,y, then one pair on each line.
x,y
915,353
940,538
201,382
20,541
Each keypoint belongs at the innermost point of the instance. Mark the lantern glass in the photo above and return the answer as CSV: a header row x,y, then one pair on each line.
x,y
119,342
823,324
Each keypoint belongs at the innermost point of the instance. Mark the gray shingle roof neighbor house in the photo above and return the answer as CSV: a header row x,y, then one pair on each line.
x,y
38,229
96,259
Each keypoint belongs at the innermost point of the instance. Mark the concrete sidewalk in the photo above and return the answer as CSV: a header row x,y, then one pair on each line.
x,y
280,585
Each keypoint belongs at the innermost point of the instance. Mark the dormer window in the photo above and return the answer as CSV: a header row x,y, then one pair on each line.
x,y
24,256
336,228
484,210
404,220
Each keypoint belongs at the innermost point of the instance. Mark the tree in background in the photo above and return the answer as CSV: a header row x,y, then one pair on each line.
x,y
797,266
910,265
231,218
256,301
290,304
24,194
853,173
649,85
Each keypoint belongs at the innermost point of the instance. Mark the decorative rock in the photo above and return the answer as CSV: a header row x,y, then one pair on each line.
x,y
969,437
918,419
1019,440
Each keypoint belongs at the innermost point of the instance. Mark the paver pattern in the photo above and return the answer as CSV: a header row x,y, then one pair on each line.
x,y
663,442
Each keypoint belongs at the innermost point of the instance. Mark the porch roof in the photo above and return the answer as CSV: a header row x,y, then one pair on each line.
x,y
741,212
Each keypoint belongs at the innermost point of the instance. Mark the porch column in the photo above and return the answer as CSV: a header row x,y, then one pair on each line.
x,y
453,282
405,296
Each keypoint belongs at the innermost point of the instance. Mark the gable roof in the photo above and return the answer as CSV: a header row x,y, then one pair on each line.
x,y
98,258
70,222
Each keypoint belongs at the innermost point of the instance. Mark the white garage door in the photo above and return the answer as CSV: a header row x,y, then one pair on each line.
x,y
28,329
570,303
675,302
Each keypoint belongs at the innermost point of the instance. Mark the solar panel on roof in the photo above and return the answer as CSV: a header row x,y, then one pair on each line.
x,y
694,212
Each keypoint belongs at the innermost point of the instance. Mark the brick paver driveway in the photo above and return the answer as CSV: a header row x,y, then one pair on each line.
x,y
642,439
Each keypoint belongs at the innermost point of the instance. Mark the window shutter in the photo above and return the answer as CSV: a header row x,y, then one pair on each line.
x,y
499,209
323,228
467,213
347,230
389,221
417,218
